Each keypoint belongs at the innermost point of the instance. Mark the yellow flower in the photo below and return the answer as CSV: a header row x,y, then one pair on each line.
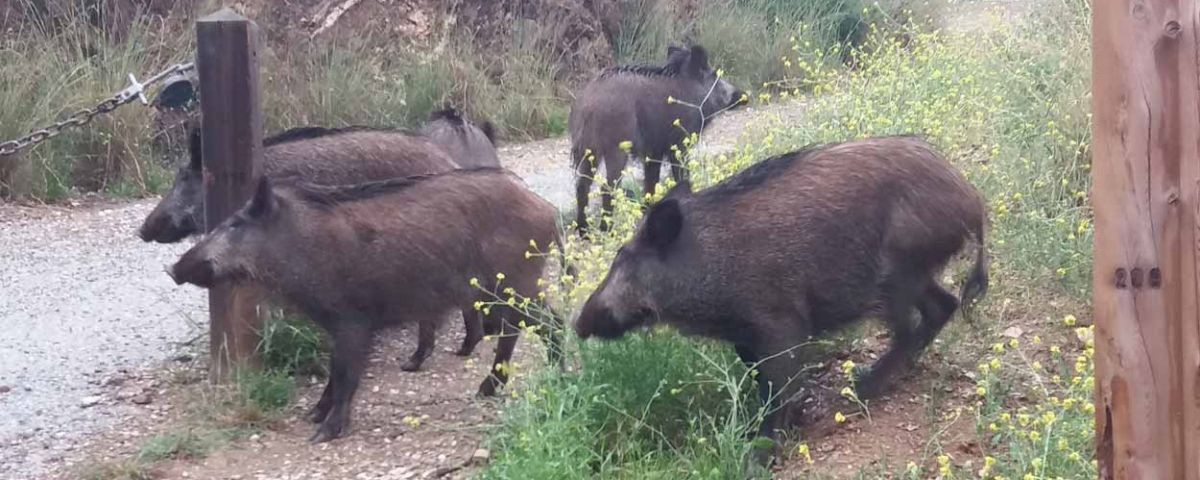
x,y
1034,435
847,366
474,282
981,391
839,418
625,146
670,100
1069,320
1037,340
1013,343
802,450
847,392
998,348
995,364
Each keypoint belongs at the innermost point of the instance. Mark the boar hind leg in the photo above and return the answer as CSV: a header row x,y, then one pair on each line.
x,y
498,376
650,176
583,186
473,325
351,343
552,335
936,307
678,171
426,337
901,292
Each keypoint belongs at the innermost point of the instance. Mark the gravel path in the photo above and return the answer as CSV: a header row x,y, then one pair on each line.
x,y
84,305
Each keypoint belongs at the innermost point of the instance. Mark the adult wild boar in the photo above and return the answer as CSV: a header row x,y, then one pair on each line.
x,y
326,156
357,258
797,245
317,155
629,103
468,144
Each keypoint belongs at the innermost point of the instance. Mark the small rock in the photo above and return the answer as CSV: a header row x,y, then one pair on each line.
x,y
140,399
182,358
481,455
5,389
90,401
1013,332
114,381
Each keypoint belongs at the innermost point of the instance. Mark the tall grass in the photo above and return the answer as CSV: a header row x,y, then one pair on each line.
x,y
48,71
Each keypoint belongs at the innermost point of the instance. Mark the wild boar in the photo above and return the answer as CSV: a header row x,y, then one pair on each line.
x,y
468,144
640,104
317,155
798,245
358,258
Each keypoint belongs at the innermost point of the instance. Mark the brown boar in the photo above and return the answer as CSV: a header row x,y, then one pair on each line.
x,y
469,144
362,257
798,245
628,103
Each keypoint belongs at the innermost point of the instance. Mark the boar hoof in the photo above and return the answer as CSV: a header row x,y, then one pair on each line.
x,y
411,365
465,351
325,433
488,387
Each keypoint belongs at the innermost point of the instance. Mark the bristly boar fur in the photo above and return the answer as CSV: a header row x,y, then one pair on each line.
x,y
468,144
358,258
629,103
798,245
317,155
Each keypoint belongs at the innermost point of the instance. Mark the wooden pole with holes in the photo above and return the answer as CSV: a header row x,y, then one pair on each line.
x,y
1146,196
227,62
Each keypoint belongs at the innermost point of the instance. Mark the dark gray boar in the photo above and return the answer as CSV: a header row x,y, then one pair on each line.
x,y
798,245
629,103
469,144
317,155
361,257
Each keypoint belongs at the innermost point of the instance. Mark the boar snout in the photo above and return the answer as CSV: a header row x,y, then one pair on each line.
x,y
602,322
194,270
164,229
740,99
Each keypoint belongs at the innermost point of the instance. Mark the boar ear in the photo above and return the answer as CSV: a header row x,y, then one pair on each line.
x,y
263,202
663,224
194,149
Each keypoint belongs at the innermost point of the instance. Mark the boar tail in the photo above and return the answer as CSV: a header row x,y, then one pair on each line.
x,y
977,281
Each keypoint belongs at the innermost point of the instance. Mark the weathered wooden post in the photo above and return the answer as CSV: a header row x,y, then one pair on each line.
x,y
1146,195
227,60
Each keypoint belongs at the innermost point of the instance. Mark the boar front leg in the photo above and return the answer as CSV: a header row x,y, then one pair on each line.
x,y
777,363
351,342
498,376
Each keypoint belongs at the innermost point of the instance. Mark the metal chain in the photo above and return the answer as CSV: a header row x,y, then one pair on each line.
x,y
135,91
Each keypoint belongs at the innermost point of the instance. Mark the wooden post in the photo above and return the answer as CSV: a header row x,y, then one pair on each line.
x,y
1146,181
227,60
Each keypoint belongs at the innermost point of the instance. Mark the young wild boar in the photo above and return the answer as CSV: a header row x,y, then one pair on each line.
x,y
361,257
317,155
629,103
797,245
467,143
